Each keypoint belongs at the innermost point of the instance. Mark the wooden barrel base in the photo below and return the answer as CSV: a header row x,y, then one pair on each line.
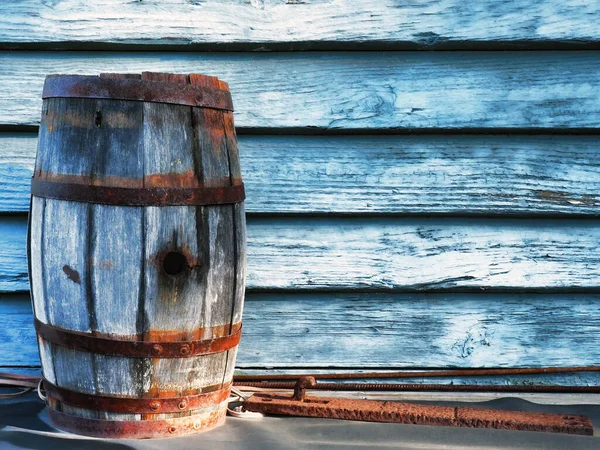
x,y
141,429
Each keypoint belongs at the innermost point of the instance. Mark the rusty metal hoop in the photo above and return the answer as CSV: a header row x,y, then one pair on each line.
x,y
154,196
94,87
141,349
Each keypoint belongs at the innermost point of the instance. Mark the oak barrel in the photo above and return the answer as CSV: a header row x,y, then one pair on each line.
x,y
137,248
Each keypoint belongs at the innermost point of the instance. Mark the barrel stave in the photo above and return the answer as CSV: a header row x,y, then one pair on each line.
x,y
207,234
116,268
92,141
36,260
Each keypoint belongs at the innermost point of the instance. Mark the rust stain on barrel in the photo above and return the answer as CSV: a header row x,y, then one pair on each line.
x,y
74,119
97,180
159,391
213,332
172,179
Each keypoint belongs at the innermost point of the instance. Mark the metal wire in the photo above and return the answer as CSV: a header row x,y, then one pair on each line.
x,y
39,391
420,374
8,380
427,387
272,381
15,394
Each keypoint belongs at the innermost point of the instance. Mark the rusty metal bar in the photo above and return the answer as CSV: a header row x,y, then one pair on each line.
x,y
137,405
77,86
19,377
420,374
142,349
407,413
427,387
156,196
9,380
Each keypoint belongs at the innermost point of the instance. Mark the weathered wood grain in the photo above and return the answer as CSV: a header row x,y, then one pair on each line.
x,y
112,296
403,91
388,174
423,254
200,299
257,24
65,275
219,160
92,296
36,276
114,265
35,259
394,254
388,330
13,254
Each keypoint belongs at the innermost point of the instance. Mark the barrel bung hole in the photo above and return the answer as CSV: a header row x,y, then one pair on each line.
x,y
174,263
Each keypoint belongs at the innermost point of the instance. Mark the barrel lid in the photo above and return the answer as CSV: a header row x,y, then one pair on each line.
x,y
134,87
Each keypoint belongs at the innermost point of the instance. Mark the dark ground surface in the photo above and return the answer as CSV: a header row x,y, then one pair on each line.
x,y
24,425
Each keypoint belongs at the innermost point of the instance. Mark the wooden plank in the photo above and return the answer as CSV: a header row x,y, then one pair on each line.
x,y
13,254
388,330
403,91
17,335
387,174
393,254
432,24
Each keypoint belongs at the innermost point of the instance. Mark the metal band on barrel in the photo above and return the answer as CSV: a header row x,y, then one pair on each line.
x,y
137,349
138,429
77,86
154,196
137,405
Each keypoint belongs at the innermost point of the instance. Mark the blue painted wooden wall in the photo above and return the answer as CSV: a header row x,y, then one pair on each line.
x,y
423,180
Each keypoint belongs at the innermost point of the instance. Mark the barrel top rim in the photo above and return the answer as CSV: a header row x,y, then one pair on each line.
x,y
131,76
135,89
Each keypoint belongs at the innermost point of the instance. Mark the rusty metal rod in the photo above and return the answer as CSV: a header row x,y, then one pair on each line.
x,y
427,387
14,376
420,374
397,412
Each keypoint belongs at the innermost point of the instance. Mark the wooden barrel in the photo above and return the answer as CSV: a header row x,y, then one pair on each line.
x,y
137,246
